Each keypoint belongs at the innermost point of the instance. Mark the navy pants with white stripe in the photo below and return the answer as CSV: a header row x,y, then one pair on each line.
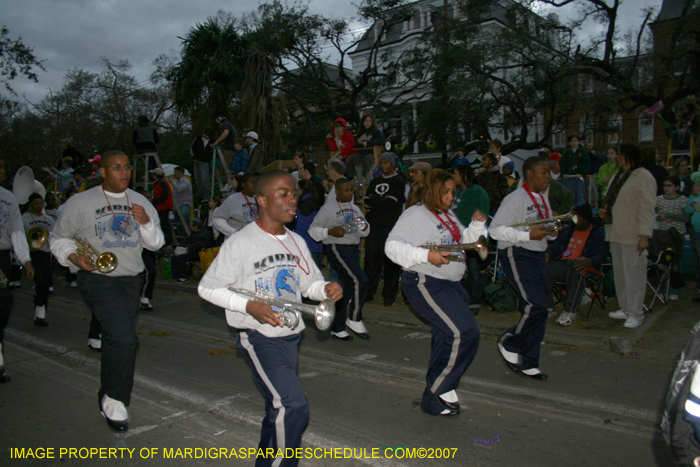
x,y
455,333
526,270
352,279
274,362
114,301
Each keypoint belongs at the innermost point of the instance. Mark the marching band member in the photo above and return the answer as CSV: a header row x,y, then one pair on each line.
x,y
239,209
431,283
266,257
522,256
116,219
335,226
11,237
42,260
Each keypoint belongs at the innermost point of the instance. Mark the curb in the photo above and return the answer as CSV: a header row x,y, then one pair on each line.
x,y
406,316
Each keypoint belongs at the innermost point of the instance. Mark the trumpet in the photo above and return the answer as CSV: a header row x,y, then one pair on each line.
x,y
358,223
104,262
480,246
37,237
551,224
290,313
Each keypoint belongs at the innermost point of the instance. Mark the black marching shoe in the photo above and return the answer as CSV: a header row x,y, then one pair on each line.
x,y
534,373
40,322
4,378
147,307
451,406
502,352
389,301
116,409
342,335
358,327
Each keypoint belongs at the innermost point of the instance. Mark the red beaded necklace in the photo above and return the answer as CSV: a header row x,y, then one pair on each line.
x,y
255,213
307,271
450,225
534,201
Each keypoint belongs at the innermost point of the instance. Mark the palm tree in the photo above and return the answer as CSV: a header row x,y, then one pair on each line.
x,y
210,73
260,110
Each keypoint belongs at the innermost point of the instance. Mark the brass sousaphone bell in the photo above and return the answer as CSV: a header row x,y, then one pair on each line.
x,y
37,237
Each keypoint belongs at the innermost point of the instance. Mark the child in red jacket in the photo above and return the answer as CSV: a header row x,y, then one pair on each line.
x,y
341,141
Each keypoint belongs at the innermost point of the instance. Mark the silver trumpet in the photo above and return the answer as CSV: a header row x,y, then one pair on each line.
x,y
290,313
480,246
551,224
358,224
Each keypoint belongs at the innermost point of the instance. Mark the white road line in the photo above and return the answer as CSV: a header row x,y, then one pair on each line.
x,y
139,430
175,415
365,357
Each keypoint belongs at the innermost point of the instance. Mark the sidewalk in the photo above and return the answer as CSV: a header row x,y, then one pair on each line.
x,y
599,332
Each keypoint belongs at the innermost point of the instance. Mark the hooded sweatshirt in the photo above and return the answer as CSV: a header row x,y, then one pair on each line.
x,y
344,143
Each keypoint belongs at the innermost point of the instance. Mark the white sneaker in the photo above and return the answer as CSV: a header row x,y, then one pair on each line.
x,y
673,297
566,318
74,284
551,313
619,314
633,322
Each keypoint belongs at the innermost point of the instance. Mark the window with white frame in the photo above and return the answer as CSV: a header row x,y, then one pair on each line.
x,y
558,140
646,128
416,19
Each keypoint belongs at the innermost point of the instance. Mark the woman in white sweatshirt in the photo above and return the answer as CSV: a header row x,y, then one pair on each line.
x,y
431,283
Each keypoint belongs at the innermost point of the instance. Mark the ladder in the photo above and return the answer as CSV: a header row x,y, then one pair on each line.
x,y
220,180
143,160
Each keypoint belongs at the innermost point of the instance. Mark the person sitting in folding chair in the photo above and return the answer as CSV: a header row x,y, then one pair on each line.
x,y
189,249
576,249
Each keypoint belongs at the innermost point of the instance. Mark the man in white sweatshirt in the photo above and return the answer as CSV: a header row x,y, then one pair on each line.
x,y
111,218
267,258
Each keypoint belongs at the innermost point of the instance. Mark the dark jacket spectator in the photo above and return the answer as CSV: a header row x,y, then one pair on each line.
x,y
594,249
144,136
496,186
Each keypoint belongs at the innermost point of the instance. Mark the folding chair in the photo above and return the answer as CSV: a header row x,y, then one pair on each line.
x,y
659,276
595,281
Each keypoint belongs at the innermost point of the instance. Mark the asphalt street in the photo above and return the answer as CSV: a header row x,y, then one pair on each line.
x,y
194,397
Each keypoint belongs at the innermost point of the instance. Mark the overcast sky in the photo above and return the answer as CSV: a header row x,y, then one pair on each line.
x,y
77,33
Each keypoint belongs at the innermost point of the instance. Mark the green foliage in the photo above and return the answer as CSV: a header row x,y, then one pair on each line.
x,y
97,111
210,73
16,59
